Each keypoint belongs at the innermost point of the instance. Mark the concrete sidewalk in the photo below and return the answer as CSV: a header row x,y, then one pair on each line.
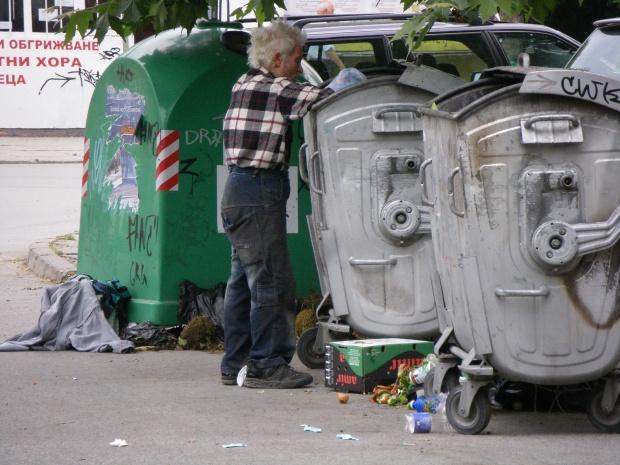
x,y
54,259
45,149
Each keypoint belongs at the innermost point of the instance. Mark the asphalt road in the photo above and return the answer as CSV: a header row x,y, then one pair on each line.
x,y
40,188
67,407
37,201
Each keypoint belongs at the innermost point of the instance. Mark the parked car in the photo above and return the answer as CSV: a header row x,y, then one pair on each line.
x,y
461,49
600,53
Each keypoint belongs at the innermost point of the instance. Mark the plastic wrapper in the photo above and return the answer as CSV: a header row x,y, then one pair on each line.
x,y
346,78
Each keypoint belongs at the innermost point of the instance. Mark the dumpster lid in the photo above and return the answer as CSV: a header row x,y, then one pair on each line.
x,y
236,41
429,79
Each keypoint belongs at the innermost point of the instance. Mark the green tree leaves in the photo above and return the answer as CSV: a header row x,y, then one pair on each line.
x,y
126,17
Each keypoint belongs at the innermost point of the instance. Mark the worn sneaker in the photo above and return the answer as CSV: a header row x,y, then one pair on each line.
x,y
229,379
278,377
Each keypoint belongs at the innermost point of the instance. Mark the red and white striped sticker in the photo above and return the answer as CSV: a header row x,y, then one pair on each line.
x,y
167,165
85,161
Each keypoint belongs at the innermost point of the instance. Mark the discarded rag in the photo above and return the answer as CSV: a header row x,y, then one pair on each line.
x,y
71,317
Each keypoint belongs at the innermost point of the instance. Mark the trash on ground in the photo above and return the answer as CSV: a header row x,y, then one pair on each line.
x,y
346,437
241,375
71,318
343,398
418,375
119,443
429,415
230,446
202,333
195,301
404,390
312,429
149,334
418,422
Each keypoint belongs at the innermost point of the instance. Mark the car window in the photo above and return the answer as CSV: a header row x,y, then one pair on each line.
x,y
543,49
600,53
361,54
463,56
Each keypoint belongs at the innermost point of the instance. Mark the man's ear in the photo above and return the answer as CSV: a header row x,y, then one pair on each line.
x,y
277,59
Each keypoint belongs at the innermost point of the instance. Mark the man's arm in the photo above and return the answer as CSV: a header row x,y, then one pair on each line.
x,y
333,56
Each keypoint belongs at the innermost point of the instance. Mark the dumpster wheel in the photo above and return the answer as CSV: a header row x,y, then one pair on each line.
x,y
607,422
479,412
449,382
306,351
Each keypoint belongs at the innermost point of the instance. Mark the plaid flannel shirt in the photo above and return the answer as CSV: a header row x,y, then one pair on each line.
x,y
257,126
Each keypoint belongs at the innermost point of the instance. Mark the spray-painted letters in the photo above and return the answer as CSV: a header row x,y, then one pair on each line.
x,y
142,233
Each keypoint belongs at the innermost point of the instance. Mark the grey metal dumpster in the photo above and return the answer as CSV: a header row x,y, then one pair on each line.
x,y
370,232
525,230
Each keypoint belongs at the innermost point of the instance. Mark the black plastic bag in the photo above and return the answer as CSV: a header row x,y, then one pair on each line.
x,y
195,301
148,334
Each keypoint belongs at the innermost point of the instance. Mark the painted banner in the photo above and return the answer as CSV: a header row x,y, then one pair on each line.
x,y
344,7
46,84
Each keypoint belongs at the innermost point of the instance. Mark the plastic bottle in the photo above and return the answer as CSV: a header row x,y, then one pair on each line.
x,y
440,418
418,422
425,422
426,404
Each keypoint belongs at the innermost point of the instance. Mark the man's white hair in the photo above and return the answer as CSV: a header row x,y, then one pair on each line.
x,y
267,41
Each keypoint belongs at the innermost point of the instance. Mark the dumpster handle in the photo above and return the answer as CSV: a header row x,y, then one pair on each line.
x,y
303,167
422,176
558,243
400,109
535,119
542,292
453,173
387,261
311,175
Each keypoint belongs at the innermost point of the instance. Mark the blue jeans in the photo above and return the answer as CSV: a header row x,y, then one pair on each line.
x,y
259,305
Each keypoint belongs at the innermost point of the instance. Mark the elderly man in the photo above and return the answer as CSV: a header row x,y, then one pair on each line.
x,y
259,307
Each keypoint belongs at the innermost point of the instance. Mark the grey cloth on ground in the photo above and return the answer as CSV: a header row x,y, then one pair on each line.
x,y
71,317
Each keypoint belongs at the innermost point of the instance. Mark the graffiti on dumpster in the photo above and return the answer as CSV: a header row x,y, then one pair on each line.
x,y
212,137
147,133
574,83
590,89
124,74
185,165
192,228
142,233
137,274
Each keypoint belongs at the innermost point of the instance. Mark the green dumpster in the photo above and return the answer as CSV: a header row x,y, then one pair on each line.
x,y
153,173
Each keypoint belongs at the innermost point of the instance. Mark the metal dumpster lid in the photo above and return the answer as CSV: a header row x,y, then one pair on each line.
x,y
574,83
429,79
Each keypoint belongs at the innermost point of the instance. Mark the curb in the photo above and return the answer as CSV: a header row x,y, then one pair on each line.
x,y
47,264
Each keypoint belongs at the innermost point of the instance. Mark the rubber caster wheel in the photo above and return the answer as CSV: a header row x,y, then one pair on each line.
x,y
479,412
307,353
449,382
607,422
